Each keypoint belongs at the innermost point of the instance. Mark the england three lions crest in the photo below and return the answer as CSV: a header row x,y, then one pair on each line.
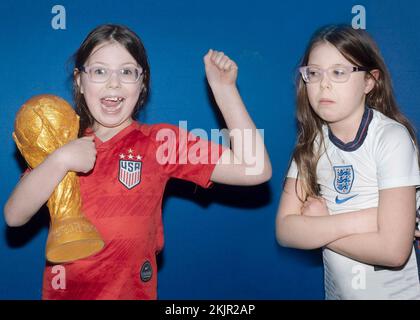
x,y
129,173
344,176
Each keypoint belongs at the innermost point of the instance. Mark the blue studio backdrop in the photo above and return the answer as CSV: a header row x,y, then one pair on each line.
x,y
219,243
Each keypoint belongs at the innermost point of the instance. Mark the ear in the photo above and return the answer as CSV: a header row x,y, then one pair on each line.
x,y
371,79
76,75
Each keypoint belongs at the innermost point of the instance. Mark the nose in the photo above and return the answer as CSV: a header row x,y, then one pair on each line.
x,y
325,81
114,80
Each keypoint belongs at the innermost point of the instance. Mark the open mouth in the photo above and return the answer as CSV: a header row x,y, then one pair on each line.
x,y
112,103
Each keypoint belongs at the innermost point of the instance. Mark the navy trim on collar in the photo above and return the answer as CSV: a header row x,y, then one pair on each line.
x,y
360,136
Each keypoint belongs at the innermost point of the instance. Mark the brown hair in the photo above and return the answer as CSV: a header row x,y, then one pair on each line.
x,y
130,41
361,50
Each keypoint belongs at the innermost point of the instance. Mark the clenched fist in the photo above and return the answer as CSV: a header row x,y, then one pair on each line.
x,y
78,155
220,69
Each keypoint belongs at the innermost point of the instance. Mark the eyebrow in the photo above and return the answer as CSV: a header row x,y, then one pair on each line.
x,y
331,65
106,64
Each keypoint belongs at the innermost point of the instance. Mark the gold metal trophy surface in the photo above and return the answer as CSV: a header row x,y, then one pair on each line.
x,y
43,124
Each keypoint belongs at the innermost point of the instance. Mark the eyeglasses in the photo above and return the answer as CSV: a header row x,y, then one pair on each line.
x,y
100,74
337,73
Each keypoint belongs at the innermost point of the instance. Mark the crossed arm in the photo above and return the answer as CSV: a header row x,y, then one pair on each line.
x,y
377,236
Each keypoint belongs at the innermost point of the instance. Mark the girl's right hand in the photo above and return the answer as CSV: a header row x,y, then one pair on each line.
x,y
78,155
315,207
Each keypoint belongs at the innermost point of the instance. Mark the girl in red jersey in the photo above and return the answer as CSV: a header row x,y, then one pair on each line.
x,y
126,165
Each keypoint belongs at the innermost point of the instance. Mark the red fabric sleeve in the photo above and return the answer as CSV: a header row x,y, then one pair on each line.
x,y
186,156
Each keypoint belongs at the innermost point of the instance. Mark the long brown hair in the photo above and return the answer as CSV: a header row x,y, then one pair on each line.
x,y
130,41
361,50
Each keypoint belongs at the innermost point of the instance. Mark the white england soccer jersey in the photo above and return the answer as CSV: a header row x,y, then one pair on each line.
x,y
350,176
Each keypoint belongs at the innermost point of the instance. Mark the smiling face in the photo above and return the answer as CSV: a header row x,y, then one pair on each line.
x,y
111,103
333,102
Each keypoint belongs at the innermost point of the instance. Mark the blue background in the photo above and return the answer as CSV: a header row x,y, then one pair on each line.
x,y
220,243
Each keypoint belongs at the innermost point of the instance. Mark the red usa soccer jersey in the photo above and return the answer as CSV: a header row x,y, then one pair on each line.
x,y
122,197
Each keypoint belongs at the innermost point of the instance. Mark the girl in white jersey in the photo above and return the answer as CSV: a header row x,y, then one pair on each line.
x,y
351,185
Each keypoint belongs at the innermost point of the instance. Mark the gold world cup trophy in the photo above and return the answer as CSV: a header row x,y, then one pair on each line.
x,y
43,124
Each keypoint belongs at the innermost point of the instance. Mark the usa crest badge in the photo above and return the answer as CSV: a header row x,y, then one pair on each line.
x,y
344,177
129,173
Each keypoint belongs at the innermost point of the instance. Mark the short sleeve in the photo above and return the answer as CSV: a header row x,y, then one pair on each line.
x,y
293,170
186,156
396,158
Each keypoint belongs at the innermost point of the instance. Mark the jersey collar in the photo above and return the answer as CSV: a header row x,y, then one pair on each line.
x,y
104,144
360,136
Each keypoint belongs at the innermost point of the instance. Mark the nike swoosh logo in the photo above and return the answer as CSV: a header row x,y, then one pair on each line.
x,y
340,201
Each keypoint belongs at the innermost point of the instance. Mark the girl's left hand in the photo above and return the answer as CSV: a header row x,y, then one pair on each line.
x,y
220,69
315,207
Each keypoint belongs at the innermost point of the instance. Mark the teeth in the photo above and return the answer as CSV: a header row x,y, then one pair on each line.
x,y
114,99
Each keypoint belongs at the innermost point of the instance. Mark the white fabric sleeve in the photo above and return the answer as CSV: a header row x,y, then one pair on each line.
x,y
396,158
293,171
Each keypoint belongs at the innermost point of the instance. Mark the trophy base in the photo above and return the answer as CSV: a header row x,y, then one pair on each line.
x,y
71,239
